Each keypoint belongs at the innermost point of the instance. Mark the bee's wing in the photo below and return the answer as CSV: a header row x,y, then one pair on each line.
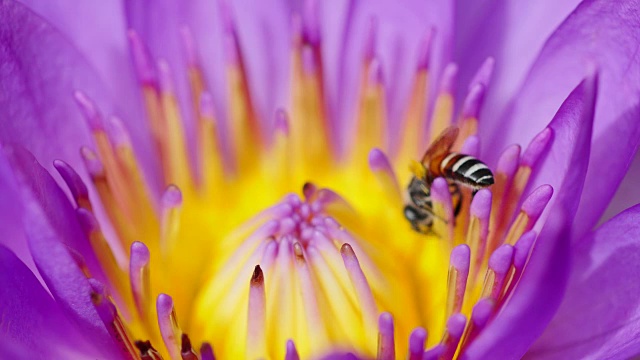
x,y
442,144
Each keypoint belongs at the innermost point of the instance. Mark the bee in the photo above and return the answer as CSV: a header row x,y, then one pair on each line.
x,y
439,161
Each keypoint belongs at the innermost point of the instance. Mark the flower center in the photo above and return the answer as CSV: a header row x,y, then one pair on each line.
x,y
257,270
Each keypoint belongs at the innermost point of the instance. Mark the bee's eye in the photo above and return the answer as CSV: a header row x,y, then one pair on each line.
x,y
412,214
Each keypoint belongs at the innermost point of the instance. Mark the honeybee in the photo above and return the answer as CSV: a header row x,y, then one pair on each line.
x,y
439,161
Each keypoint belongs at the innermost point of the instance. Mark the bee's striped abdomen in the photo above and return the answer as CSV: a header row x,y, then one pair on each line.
x,y
466,170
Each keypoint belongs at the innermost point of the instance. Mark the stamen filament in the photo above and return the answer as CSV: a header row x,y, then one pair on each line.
x,y
434,353
499,264
309,138
531,210
340,305
210,152
443,108
74,184
141,205
140,280
416,116
478,231
480,315
171,207
281,166
507,166
281,308
367,305
147,352
178,170
457,280
244,127
186,350
522,250
470,112
530,158
386,341
206,352
417,341
313,321
383,171
103,251
454,330
444,221
96,170
256,325
168,324
112,321
291,352
372,115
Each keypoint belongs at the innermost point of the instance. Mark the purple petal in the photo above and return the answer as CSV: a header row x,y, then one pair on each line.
x,y
513,33
599,317
34,326
539,292
628,193
11,228
39,73
98,31
603,34
58,246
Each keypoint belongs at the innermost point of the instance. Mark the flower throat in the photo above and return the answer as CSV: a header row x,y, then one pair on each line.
x,y
269,243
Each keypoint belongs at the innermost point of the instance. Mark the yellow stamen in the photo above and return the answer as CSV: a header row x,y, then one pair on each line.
x,y
244,127
210,154
372,116
177,159
412,144
442,115
519,226
308,128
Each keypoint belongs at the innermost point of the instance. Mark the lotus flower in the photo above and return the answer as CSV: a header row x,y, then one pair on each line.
x,y
227,180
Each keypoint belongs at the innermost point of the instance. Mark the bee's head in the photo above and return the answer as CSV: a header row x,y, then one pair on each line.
x,y
421,221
